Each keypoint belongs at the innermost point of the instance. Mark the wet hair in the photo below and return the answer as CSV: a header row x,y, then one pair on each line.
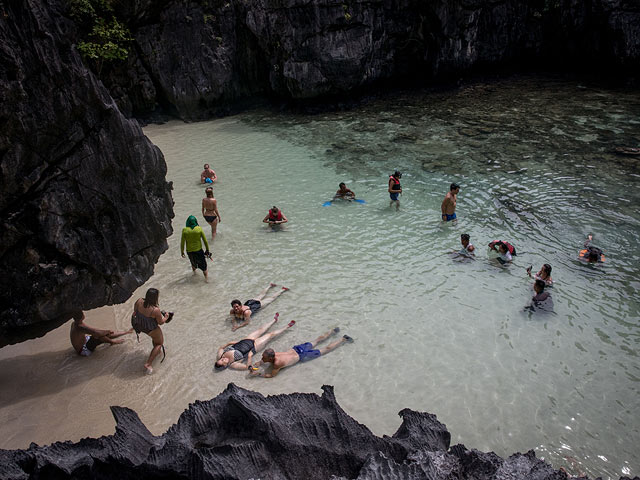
x,y
592,255
453,186
502,244
208,191
546,268
274,209
206,165
151,298
397,174
341,184
464,236
77,315
540,284
219,367
235,302
269,353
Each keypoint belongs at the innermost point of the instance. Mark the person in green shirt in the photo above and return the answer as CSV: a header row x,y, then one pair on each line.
x,y
192,234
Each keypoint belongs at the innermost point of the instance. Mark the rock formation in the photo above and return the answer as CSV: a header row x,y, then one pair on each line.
x,y
194,59
85,208
240,434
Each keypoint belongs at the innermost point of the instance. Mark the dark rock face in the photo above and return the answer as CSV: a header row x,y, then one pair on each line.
x,y
241,434
85,208
194,59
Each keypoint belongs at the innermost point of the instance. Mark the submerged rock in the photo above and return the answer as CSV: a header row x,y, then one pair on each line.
x,y
241,434
85,208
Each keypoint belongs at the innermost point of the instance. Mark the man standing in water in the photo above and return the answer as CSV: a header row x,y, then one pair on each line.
x,y
85,339
192,234
210,211
299,353
395,189
449,203
209,174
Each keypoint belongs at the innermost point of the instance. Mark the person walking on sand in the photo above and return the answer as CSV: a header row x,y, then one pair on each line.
x,y
395,189
299,353
210,211
208,175
244,312
85,339
192,234
147,318
233,354
448,206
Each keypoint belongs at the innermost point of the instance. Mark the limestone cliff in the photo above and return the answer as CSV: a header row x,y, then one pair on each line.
x,y
85,208
241,434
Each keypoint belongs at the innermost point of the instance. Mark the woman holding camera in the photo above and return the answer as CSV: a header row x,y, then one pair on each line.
x,y
147,318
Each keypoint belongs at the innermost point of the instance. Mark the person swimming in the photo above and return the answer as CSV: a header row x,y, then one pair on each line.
x,y
591,253
344,192
505,250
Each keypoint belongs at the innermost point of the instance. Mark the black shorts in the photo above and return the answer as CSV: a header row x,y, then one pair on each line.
x,y
254,305
198,260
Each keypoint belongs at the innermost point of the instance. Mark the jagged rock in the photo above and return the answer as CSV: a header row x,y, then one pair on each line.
x,y
85,208
241,434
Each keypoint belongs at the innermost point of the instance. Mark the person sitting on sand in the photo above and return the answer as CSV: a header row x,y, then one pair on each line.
x,y
544,274
590,253
85,339
275,217
233,354
344,193
244,312
505,250
299,353
208,175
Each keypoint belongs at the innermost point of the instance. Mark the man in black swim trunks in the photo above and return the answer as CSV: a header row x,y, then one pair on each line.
x,y
244,312
85,339
233,354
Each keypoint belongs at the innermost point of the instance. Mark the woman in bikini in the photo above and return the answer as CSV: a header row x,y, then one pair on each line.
x,y
210,211
147,318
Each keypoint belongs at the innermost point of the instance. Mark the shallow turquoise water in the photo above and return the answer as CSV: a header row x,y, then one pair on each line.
x,y
433,333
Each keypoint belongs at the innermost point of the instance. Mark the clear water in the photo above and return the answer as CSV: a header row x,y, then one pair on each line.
x,y
433,333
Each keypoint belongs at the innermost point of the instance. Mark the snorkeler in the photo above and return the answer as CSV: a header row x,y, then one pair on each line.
x,y
275,217
299,353
244,312
591,253
395,189
448,206
233,354
544,274
505,250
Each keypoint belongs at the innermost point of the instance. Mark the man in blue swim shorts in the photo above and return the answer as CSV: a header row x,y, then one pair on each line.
x,y
448,206
299,353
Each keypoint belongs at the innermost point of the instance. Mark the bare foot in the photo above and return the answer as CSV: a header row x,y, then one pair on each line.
x,y
285,288
147,369
131,330
120,340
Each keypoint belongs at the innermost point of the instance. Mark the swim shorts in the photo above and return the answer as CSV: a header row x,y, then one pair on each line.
x,y
85,352
394,196
306,352
450,217
254,305
210,218
197,260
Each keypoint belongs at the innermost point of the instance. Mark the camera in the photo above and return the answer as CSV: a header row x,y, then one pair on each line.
x,y
170,315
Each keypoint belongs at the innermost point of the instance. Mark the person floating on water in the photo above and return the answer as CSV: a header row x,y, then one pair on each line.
x,y
299,353
210,211
208,175
448,206
274,217
344,193
591,253
244,312
505,250
192,234
233,354
85,339
395,189
544,274
147,318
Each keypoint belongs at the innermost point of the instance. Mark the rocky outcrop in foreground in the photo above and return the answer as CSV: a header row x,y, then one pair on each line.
x,y
240,434
84,206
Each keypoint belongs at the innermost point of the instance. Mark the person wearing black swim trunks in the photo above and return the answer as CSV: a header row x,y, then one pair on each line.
x,y
147,318
210,211
233,354
85,339
299,353
244,312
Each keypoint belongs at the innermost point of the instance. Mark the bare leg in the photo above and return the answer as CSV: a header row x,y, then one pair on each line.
x,y
214,228
324,336
264,292
261,331
263,340
333,346
158,340
267,301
